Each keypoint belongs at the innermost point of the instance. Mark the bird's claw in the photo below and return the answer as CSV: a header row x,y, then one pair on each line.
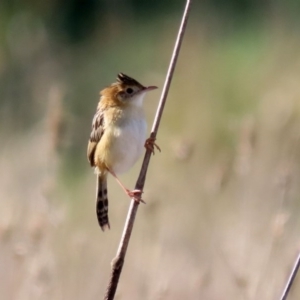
x,y
151,145
136,195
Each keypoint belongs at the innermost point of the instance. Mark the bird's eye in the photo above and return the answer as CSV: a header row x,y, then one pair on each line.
x,y
129,90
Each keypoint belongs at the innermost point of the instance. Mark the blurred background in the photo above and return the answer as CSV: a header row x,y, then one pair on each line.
x,y
222,214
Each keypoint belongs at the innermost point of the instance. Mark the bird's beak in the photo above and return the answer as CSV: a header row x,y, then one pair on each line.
x,y
150,88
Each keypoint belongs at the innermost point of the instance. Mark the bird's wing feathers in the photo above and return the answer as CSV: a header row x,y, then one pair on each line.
x,y
96,134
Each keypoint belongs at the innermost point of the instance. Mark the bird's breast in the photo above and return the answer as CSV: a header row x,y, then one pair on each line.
x,y
126,142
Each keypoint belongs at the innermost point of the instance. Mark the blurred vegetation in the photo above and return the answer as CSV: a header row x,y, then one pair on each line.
x,y
222,214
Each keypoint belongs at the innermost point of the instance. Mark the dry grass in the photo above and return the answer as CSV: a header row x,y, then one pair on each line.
x,y
222,214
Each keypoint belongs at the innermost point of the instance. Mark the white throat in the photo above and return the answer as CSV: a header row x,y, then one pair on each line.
x,y
138,99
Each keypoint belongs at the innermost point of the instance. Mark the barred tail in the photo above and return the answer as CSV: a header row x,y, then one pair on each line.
x,y
102,202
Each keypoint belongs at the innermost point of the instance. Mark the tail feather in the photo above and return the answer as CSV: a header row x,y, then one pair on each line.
x,y
102,203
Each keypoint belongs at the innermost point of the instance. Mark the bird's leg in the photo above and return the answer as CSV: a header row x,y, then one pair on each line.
x,y
151,145
135,194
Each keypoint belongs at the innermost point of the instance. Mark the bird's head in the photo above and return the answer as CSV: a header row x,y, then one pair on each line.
x,y
127,91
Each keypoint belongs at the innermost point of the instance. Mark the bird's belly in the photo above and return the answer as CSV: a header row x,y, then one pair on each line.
x,y
127,145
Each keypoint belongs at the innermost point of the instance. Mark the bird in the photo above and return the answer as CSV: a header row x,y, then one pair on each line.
x,y
117,138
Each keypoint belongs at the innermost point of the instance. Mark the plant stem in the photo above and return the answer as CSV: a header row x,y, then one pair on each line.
x,y
291,279
118,261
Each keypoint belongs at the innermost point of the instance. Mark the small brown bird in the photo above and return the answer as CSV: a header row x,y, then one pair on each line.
x,y
118,137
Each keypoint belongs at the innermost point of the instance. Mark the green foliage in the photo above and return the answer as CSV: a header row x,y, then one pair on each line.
x,y
222,213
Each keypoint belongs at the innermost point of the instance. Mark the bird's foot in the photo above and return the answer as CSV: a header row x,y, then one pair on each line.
x,y
136,195
151,145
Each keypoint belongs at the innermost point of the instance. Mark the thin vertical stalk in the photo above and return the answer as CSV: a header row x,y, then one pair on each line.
x,y
118,261
291,279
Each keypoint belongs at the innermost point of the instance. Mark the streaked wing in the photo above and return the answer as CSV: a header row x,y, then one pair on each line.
x,y
96,134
